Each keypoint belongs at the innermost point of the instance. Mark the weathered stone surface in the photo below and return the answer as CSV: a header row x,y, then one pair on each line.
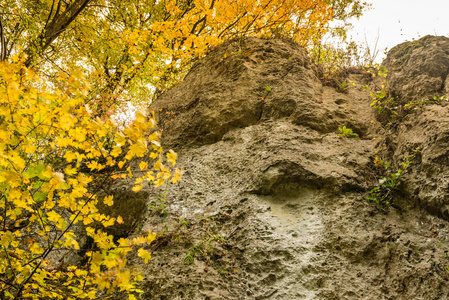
x,y
244,83
273,203
418,70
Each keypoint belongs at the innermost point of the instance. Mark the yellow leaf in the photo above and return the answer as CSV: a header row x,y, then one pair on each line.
x,y
119,220
69,156
30,149
120,138
144,254
110,162
87,220
80,273
75,245
116,151
108,223
139,240
149,176
143,166
48,172
36,249
171,157
124,278
151,237
70,171
166,175
56,219
108,200
110,263
159,182
92,165
177,176
137,188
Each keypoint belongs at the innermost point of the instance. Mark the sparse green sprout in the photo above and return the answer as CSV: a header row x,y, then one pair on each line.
x,y
342,86
379,102
159,206
347,132
382,71
223,271
382,195
390,111
190,255
440,99
206,247
268,89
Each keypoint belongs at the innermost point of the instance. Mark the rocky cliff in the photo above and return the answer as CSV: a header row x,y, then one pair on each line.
x,y
272,202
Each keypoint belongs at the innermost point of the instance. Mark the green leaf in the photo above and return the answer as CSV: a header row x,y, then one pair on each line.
x,y
34,171
39,196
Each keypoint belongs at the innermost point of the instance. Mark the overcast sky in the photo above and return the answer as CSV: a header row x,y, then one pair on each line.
x,y
401,20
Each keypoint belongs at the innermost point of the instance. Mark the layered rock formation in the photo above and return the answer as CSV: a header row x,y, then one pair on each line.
x,y
272,203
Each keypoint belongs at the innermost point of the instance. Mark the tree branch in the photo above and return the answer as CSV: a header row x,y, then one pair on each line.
x,y
51,12
54,28
203,19
2,42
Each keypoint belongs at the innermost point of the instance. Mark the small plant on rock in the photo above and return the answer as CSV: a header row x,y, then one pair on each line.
x,y
342,87
205,246
268,89
159,207
347,132
391,109
382,196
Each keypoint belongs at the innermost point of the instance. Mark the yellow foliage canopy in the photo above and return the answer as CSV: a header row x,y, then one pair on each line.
x,y
129,47
53,158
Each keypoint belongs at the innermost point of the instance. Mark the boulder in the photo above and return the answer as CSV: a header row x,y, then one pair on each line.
x,y
248,82
418,70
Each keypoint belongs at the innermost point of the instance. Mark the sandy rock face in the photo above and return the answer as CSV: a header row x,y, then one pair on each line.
x,y
272,203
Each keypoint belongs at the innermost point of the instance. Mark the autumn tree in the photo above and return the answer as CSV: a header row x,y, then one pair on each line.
x,y
54,159
127,48
66,66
